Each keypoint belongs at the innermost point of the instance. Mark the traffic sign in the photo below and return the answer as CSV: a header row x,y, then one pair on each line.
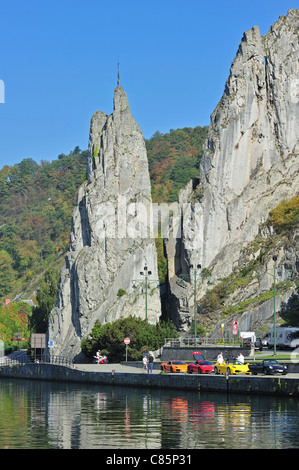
x,y
235,327
127,340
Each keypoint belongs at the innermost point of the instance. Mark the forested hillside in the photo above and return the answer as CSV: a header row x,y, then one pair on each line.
x,y
35,214
37,201
173,160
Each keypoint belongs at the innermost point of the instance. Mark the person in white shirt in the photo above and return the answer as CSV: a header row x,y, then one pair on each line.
x,y
220,358
241,358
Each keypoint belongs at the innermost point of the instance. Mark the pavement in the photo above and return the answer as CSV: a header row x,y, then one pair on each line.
x,y
118,368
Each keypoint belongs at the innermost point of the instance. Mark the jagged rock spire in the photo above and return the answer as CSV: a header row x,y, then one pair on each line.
x,y
251,159
107,249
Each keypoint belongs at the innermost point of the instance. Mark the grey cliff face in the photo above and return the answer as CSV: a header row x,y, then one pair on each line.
x,y
109,243
251,160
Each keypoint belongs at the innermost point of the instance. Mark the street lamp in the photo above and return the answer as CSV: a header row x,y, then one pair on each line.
x,y
274,257
187,277
274,302
145,282
198,266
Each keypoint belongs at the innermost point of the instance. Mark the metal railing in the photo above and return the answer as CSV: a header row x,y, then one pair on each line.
x,y
44,359
190,341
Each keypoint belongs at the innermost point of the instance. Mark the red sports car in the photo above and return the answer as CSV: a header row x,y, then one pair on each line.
x,y
201,365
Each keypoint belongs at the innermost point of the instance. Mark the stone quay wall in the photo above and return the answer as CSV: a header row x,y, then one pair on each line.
x,y
280,386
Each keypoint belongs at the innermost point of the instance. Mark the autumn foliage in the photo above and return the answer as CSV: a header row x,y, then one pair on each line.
x,y
14,317
174,160
286,216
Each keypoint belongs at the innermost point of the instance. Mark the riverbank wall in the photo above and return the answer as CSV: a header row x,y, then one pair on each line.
x,y
274,385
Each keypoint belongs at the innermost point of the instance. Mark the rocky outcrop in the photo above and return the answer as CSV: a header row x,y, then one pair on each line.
x,y
251,159
255,300
110,244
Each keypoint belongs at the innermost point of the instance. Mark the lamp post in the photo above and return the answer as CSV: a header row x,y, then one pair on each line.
x,y
274,257
198,266
146,282
274,302
188,277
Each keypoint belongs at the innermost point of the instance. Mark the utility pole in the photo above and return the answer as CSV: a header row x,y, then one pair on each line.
x,y
198,266
274,257
145,282
274,301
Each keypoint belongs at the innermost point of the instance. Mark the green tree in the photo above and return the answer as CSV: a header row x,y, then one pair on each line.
x,y
7,274
46,298
290,310
285,216
14,318
174,159
109,338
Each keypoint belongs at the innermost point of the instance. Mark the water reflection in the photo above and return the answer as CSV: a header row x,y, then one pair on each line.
x,y
74,416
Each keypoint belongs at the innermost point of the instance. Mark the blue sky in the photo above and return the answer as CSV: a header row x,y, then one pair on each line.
x,y
58,62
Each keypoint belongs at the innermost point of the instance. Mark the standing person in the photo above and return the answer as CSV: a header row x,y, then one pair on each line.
x,y
144,360
220,358
150,363
241,358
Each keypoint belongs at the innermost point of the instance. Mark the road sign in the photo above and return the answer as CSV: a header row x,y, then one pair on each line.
x,y
235,327
38,340
17,336
127,341
2,348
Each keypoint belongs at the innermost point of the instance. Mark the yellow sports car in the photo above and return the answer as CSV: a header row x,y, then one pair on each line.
x,y
174,366
231,367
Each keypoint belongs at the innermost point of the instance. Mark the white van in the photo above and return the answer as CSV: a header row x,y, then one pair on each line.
x,y
249,336
286,337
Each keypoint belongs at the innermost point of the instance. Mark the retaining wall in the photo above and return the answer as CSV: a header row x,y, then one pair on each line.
x,y
280,386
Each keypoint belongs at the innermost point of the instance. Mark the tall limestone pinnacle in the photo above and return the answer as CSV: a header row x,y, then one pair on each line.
x,y
110,242
251,159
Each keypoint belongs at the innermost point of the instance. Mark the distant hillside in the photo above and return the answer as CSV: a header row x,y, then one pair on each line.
x,y
37,201
173,160
36,205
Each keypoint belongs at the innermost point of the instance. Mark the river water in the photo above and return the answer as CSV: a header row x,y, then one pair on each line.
x,y
43,415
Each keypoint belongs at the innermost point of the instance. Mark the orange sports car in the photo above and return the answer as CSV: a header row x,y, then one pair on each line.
x,y
174,366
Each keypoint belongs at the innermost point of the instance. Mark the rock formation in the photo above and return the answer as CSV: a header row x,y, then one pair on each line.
x,y
251,159
110,242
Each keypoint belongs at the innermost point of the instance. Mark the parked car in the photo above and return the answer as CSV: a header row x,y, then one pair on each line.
x,y
259,344
231,367
198,340
190,340
245,343
268,366
174,366
200,365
